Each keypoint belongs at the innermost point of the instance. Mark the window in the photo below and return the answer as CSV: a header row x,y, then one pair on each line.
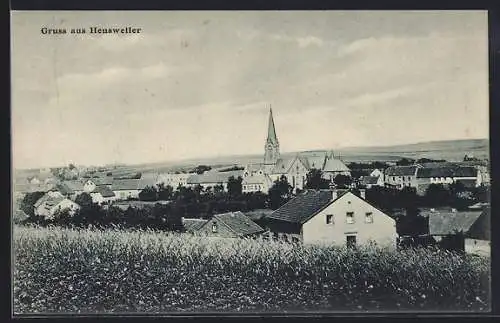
x,y
329,218
350,217
351,241
369,217
214,227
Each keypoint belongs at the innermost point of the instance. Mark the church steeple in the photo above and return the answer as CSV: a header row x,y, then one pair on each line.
x,y
271,131
272,148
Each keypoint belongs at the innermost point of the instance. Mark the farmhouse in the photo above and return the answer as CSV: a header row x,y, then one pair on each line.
x,y
461,230
370,181
401,176
230,225
49,204
256,183
446,174
332,217
102,194
174,180
126,188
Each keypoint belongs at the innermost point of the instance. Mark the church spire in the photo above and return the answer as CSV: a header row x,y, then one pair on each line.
x,y
271,131
272,147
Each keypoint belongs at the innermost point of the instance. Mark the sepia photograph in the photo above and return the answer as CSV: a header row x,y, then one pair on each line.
x,y
190,162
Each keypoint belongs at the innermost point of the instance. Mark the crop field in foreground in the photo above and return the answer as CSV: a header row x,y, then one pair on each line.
x,y
62,270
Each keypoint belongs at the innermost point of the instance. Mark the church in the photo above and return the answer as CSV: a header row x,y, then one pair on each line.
x,y
294,168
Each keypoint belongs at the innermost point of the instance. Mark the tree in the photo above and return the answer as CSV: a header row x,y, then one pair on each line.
x,y
28,202
149,193
280,192
165,193
84,200
234,186
405,162
200,169
315,180
71,166
342,181
437,195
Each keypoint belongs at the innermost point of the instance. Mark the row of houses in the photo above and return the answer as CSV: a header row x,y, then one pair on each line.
x,y
340,217
420,176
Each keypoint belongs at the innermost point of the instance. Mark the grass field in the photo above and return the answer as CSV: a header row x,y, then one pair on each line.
x,y
61,270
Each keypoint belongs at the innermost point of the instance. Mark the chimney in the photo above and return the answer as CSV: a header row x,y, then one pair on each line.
x,y
362,194
334,194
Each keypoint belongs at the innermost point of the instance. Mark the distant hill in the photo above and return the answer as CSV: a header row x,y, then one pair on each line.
x,y
451,150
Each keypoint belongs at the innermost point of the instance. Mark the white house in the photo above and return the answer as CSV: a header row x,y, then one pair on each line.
x,y
332,217
174,180
51,203
256,183
102,194
370,181
126,189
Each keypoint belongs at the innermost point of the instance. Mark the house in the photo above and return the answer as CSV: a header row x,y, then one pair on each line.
x,y
126,189
377,173
211,179
63,189
332,217
256,183
102,194
370,181
399,177
49,204
174,180
467,231
193,225
446,174
230,225
148,179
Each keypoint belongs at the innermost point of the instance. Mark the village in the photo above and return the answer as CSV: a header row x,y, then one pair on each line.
x,y
318,199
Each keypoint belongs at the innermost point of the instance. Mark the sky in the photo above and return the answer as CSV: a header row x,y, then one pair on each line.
x,y
198,84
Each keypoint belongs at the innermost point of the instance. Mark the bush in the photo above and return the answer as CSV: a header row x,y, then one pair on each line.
x,y
60,270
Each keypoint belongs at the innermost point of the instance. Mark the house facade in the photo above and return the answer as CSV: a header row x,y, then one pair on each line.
x,y
256,183
126,189
332,217
399,177
174,180
447,174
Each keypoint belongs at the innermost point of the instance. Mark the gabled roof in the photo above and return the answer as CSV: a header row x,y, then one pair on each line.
x,y
257,179
125,184
192,225
335,165
447,171
253,167
148,179
213,177
448,222
301,207
239,223
401,170
63,188
48,202
74,185
317,162
368,180
283,165
104,190
101,180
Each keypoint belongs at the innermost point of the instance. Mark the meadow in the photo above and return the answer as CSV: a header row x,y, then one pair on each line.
x,y
90,271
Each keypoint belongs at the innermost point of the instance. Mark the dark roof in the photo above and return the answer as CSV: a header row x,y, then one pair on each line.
x,y
302,206
104,191
125,184
447,171
239,223
400,170
192,225
369,180
63,189
448,222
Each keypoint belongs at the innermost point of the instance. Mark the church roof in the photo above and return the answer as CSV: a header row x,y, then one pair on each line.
x,y
335,165
271,131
